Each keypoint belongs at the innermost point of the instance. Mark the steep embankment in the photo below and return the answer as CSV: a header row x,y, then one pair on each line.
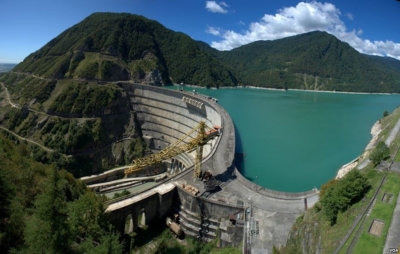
x,y
43,209
91,123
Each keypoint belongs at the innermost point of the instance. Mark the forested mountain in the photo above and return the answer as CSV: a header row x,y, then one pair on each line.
x,y
386,62
315,60
109,46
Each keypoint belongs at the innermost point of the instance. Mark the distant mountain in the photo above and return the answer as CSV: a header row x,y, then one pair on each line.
x,y
4,67
110,46
386,62
315,61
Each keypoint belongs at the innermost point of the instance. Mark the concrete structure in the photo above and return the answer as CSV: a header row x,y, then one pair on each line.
x,y
238,209
393,239
153,204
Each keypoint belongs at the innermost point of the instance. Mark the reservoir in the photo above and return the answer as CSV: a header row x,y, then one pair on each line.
x,y
297,140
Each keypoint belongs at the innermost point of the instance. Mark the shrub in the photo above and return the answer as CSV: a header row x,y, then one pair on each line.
x,y
380,153
121,194
339,195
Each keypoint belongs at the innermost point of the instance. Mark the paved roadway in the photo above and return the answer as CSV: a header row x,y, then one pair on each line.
x,y
388,141
393,133
393,237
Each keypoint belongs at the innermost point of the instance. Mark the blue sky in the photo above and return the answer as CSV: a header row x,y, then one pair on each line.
x,y
370,26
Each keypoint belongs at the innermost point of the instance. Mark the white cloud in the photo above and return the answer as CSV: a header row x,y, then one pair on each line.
x,y
213,30
223,4
350,16
302,18
241,23
213,6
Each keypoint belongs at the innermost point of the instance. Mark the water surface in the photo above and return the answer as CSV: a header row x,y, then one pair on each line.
x,y
297,140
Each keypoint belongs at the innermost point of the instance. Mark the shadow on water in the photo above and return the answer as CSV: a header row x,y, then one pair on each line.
x,y
229,174
239,154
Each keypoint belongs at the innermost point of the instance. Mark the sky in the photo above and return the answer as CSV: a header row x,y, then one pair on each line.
x,y
369,26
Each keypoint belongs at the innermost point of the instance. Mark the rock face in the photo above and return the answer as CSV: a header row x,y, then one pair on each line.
x,y
153,77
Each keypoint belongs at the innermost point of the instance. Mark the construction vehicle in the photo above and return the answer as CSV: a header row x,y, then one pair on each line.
x,y
184,144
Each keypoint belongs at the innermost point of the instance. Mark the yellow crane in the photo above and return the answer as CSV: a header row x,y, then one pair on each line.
x,y
204,134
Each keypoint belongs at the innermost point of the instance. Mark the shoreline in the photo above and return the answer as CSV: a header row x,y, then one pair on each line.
x,y
346,168
277,89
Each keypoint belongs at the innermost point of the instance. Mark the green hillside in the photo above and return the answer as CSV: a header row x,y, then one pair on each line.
x,y
111,47
315,61
108,46
70,117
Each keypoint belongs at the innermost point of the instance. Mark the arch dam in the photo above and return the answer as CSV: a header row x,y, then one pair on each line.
x,y
237,211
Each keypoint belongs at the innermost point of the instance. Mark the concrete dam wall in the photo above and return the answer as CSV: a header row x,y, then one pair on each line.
x,y
166,115
238,211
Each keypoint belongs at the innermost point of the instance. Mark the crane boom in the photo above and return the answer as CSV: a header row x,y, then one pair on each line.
x,y
177,148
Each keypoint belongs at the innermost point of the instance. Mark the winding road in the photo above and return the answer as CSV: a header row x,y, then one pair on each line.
x,y
8,97
28,140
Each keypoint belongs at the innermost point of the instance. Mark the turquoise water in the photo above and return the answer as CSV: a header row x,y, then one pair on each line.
x,y
297,140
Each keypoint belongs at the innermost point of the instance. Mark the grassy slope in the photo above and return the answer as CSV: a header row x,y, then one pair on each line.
x,y
367,242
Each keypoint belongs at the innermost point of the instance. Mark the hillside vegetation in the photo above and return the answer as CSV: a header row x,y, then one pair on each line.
x,y
45,210
110,46
72,117
314,61
107,46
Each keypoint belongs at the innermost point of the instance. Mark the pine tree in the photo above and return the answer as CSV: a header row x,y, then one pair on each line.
x,y
48,230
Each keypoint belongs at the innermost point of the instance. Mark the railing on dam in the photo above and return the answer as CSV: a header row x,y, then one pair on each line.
x,y
274,193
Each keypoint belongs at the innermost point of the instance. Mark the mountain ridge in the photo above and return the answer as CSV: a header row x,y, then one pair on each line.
x,y
315,55
122,46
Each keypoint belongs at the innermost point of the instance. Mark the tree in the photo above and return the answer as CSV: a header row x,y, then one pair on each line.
x,y
380,153
339,195
385,113
6,194
108,244
48,230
